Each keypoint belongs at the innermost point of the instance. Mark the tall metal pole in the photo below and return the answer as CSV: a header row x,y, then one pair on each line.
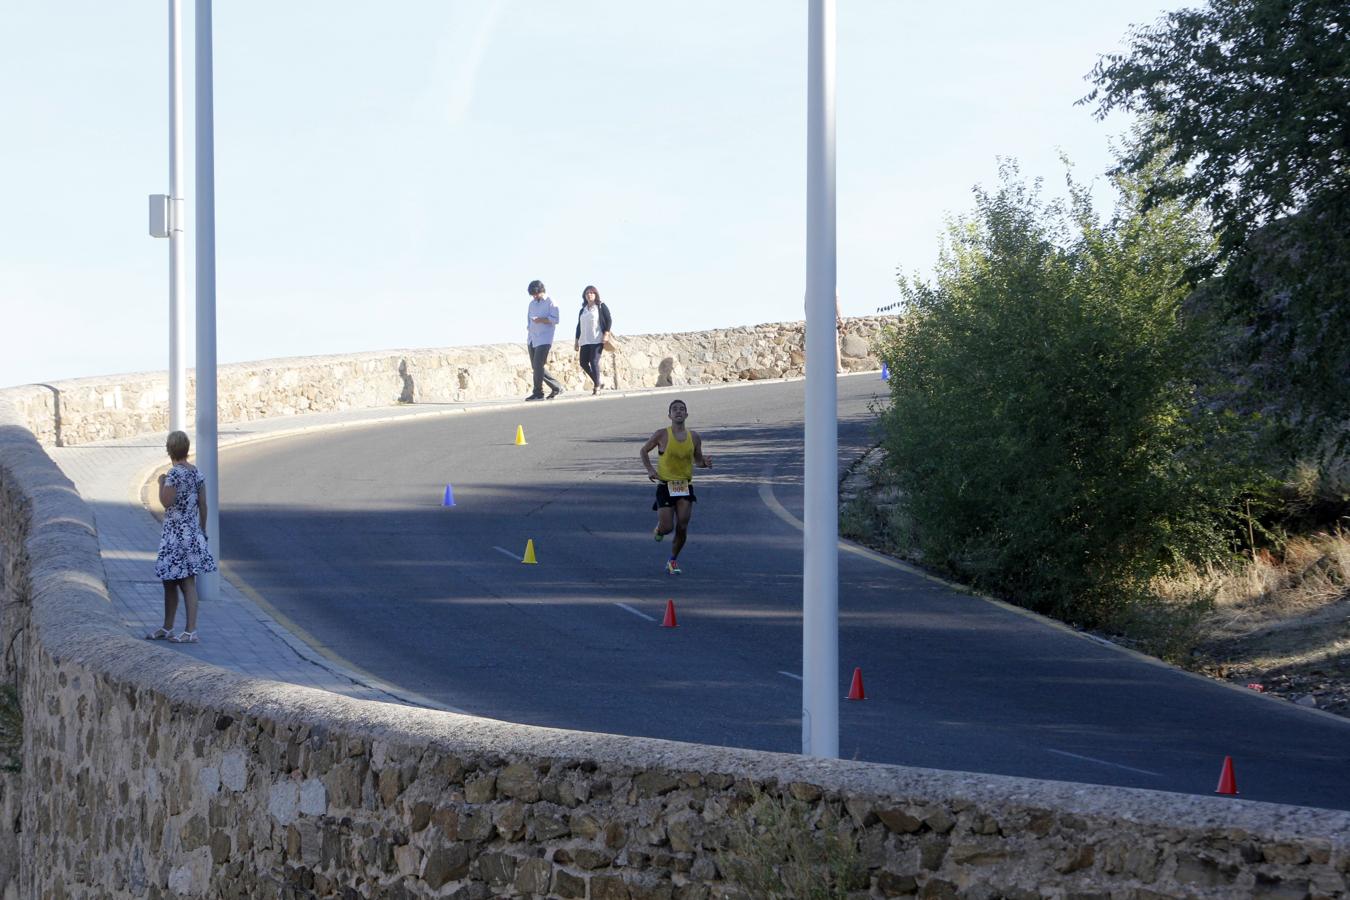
x,y
177,271
208,457
820,583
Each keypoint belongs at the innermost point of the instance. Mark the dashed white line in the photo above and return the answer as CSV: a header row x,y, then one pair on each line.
x,y
790,675
1104,762
515,556
636,612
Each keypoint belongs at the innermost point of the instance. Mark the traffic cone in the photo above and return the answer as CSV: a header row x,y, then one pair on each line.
x,y
520,435
885,372
669,620
529,552
1227,781
855,690
449,497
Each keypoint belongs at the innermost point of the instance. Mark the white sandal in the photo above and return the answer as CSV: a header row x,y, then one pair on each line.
x,y
160,634
185,637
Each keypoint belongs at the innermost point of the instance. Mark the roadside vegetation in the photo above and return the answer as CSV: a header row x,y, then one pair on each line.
x,y
779,848
1140,424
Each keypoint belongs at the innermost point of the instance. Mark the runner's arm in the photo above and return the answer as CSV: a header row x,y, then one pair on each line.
x,y
653,443
699,457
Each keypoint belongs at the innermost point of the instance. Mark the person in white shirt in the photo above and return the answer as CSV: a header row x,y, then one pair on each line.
x,y
542,320
593,326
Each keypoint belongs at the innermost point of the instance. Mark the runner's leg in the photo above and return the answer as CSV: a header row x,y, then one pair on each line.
x,y
684,511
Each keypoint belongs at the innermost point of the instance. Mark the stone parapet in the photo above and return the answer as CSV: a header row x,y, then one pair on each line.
x,y
84,410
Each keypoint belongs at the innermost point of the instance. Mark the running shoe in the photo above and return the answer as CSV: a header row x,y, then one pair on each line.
x,y
657,535
672,568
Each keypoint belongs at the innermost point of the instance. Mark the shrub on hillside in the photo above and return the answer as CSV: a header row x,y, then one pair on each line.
x,y
1043,421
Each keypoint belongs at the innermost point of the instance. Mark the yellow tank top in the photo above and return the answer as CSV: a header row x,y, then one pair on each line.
x,y
677,463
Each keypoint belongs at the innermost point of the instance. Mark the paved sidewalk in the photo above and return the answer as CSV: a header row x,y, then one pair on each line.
x,y
236,633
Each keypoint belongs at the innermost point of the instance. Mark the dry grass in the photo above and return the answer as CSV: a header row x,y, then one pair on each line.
x,y
781,849
1312,576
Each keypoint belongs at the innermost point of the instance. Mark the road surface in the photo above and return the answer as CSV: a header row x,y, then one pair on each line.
x,y
344,533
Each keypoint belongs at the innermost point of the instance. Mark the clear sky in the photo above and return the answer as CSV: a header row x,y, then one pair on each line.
x,y
394,175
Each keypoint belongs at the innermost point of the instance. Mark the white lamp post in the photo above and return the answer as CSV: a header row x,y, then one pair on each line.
x,y
167,221
177,271
208,458
820,581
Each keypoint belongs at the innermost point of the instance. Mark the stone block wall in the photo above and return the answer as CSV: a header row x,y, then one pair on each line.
x,y
79,411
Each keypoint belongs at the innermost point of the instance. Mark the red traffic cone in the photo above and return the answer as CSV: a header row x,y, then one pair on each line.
x,y
855,690
1227,782
669,620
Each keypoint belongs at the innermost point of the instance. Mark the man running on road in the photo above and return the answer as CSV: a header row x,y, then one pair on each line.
x,y
680,448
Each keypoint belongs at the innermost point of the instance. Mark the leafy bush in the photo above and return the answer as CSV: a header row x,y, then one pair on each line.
x,y
1043,421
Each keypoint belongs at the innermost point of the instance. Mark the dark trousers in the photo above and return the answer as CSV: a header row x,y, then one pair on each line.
x,y
538,357
590,360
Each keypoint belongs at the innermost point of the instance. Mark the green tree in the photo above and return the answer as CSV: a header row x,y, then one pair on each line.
x,y
1250,99
1043,421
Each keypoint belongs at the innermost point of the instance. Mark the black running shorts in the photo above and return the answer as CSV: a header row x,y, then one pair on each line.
x,y
664,500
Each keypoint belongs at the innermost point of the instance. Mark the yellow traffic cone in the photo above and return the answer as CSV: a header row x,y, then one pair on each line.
x,y
529,552
520,435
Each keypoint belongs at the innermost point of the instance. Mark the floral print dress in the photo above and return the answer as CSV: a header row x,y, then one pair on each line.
x,y
183,552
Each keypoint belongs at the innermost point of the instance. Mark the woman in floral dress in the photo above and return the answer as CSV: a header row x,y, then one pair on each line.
x,y
183,553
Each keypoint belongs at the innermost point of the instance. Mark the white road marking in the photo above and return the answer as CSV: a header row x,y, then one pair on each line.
x,y
789,674
1105,763
515,556
636,612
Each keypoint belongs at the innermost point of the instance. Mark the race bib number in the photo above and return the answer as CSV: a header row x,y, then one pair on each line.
x,y
678,488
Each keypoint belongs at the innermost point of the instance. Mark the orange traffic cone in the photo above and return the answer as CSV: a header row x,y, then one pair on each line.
x,y
1227,781
855,690
669,620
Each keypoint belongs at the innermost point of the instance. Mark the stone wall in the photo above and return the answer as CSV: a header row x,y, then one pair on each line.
x,y
82,410
146,774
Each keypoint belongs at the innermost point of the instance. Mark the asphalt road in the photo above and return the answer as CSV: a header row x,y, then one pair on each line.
x,y
345,534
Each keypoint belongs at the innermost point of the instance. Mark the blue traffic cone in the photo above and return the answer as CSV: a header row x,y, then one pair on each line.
x,y
885,372
449,497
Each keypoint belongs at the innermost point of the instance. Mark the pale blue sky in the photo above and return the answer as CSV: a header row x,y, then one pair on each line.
x,y
393,175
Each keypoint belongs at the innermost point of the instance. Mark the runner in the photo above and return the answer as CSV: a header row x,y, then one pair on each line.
x,y
680,448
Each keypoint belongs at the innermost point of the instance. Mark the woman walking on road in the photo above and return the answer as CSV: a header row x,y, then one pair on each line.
x,y
183,552
593,327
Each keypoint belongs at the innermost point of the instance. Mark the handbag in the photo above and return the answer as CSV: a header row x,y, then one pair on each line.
x,y
609,344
